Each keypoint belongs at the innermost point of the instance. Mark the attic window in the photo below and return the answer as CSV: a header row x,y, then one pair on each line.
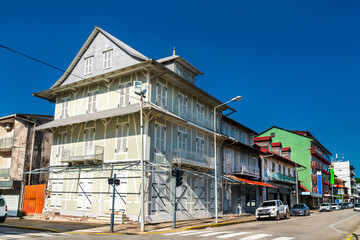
x,y
107,59
272,135
88,65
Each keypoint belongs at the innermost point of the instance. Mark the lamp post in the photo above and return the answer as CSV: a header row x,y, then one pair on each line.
x,y
216,180
141,92
296,175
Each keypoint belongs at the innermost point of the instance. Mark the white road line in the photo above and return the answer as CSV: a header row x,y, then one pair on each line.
x,y
233,235
332,226
13,236
283,238
214,233
175,233
194,233
257,236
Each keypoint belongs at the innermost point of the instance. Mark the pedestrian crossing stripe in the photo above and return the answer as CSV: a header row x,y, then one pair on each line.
x,y
257,236
233,235
225,234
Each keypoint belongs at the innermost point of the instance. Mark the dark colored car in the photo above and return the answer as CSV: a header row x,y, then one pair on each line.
x,y
346,205
300,209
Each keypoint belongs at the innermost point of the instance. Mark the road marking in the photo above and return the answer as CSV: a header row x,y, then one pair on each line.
x,y
13,236
214,233
174,233
194,233
257,236
233,234
332,226
283,238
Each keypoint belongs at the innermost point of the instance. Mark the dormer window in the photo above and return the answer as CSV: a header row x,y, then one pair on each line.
x,y
88,65
184,73
107,59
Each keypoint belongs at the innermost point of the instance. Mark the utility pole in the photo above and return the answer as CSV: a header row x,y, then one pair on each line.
x,y
113,205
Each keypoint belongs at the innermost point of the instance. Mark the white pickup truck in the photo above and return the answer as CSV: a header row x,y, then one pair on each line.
x,y
272,209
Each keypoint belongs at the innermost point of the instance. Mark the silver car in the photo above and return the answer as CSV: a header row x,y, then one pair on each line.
x,y
335,206
325,207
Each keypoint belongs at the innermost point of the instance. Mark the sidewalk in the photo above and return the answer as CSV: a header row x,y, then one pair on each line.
x,y
95,228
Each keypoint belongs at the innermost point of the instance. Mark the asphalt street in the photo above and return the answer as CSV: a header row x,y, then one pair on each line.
x,y
325,225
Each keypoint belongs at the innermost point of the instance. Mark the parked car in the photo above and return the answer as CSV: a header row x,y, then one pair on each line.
x,y
300,209
3,209
325,207
335,206
357,207
345,205
351,204
272,209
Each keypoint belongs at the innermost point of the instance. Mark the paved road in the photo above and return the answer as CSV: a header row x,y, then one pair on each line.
x,y
17,233
327,225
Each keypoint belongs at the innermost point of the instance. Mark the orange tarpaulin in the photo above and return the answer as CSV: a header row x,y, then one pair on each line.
x,y
34,199
252,182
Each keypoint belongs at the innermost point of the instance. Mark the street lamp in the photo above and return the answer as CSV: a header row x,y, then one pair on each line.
x,y
141,92
216,180
296,175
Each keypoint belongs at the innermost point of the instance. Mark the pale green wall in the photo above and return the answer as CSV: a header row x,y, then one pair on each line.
x,y
299,154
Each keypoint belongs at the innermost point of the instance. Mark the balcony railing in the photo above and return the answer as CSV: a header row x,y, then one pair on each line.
x,y
194,116
83,155
4,172
248,170
192,159
281,177
6,143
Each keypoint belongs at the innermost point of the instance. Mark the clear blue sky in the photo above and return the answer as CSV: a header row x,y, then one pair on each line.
x,y
296,63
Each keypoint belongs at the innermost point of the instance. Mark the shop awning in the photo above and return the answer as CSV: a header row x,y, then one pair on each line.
x,y
304,188
251,182
339,186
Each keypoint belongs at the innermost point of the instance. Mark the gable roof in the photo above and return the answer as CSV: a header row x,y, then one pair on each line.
x,y
126,48
177,58
260,139
305,134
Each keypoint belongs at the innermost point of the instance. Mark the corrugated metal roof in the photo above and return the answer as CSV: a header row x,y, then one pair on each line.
x,y
91,117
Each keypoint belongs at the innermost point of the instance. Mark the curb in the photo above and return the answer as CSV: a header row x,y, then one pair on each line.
x,y
136,233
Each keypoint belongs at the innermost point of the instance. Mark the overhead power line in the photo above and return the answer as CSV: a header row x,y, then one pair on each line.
x,y
62,70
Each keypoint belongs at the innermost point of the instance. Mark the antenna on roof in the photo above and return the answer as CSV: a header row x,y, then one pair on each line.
x,y
174,51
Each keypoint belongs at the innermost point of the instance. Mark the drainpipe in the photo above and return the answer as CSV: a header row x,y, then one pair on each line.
x,y
32,154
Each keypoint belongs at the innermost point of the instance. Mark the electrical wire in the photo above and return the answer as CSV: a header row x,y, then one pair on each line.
x,y
62,70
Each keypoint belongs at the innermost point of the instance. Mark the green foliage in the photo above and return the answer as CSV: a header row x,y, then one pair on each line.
x,y
357,180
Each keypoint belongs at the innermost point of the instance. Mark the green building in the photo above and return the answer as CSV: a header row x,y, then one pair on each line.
x,y
314,179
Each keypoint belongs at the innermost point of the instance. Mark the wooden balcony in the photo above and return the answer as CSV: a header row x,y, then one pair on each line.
x,y
190,159
89,155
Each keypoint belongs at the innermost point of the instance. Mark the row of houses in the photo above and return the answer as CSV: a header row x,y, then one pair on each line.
x,y
96,133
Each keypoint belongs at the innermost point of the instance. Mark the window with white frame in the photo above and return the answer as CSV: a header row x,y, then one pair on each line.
x,y
182,137
200,143
160,136
161,95
124,94
122,134
228,161
241,136
182,105
200,112
88,65
61,144
107,59
92,97
64,107
89,138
